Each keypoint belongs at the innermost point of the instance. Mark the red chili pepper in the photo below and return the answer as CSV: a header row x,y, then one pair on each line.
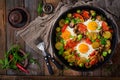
x,y
64,27
88,41
22,68
105,26
10,56
85,14
82,28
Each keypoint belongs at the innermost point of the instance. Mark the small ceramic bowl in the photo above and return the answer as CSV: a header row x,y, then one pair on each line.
x,y
18,17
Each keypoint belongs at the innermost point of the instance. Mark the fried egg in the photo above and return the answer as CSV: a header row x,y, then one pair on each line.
x,y
84,49
93,26
66,35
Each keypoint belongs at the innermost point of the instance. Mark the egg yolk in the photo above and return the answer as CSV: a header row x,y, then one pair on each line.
x,y
92,25
83,48
66,35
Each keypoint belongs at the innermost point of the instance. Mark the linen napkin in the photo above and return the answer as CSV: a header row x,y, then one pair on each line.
x,y
41,27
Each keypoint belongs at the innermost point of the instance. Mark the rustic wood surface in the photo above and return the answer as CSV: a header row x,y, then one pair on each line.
x,y
8,38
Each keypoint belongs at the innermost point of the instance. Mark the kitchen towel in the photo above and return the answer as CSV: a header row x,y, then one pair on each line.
x,y
41,27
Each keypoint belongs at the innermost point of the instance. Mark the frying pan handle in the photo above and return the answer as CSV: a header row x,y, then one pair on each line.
x,y
48,65
58,65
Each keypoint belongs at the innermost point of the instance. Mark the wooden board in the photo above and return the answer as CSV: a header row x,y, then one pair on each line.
x,y
8,37
2,32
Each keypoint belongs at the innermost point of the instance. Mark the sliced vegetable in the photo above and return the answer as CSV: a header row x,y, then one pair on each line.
x,y
82,28
78,11
79,37
64,27
95,44
81,65
98,18
105,26
85,14
71,58
93,13
67,20
108,44
58,45
107,34
58,29
93,19
88,41
93,61
104,54
103,41
77,15
109,51
69,15
61,51
61,22
92,35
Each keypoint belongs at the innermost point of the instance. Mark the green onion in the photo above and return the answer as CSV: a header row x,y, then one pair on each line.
x,y
109,51
79,37
98,37
71,64
81,65
103,41
79,55
78,20
93,19
104,54
72,36
78,11
58,29
99,27
69,15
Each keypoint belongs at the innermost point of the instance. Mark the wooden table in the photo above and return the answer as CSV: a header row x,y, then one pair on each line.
x,y
8,37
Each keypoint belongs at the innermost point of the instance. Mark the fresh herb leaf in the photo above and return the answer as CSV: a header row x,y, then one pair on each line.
x,y
39,9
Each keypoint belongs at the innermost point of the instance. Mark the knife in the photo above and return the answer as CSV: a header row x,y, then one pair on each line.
x,y
41,47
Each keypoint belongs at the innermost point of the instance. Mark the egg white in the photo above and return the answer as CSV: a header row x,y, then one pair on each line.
x,y
86,55
99,23
71,30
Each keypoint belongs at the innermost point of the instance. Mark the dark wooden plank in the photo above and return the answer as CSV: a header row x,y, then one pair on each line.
x,y
2,32
55,78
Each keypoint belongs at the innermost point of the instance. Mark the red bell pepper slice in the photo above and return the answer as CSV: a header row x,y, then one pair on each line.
x,y
92,54
70,44
64,27
82,28
93,61
88,41
75,15
85,14
105,26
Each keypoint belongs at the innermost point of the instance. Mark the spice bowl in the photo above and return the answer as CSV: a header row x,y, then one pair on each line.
x,y
18,17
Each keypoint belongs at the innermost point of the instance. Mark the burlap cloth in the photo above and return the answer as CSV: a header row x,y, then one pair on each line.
x,y
41,27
